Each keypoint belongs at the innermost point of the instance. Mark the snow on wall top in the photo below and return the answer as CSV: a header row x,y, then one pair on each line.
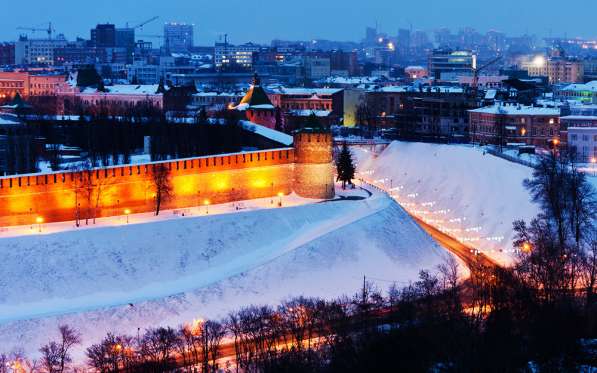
x,y
269,133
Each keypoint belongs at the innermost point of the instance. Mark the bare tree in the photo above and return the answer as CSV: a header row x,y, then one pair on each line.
x,y
4,363
56,355
157,346
161,183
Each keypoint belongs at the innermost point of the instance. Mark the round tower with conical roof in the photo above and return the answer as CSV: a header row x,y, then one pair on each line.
x,y
313,163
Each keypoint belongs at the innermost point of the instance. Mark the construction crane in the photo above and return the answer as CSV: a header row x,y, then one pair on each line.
x,y
49,30
477,70
152,36
140,25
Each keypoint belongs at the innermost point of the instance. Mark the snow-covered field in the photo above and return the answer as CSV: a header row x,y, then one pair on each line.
x,y
120,277
463,191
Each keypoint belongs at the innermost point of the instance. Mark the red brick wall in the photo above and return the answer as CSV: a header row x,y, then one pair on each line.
x,y
218,179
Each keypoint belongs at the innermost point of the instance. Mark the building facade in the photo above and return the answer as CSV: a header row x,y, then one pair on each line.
x,y
320,99
7,54
514,124
178,37
561,70
234,56
583,93
447,64
582,142
28,84
37,51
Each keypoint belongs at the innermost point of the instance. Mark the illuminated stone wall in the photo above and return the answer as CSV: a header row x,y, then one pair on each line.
x,y
218,179
314,172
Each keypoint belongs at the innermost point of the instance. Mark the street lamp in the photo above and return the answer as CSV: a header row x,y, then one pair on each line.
x,y
39,220
206,203
280,194
127,212
527,247
594,163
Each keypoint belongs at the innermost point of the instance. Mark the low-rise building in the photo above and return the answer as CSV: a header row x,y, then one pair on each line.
x,y
328,99
582,142
29,84
503,124
215,101
114,99
316,67
583,93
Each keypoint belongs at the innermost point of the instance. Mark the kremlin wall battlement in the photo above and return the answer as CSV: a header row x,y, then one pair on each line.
x,y
305,169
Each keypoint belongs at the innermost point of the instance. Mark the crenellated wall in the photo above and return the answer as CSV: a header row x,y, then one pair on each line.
x,y
108,191
306,169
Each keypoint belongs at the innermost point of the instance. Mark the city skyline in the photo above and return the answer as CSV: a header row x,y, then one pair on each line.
x,y
212,20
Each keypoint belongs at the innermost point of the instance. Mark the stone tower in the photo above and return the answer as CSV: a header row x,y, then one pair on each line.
x,y
313,167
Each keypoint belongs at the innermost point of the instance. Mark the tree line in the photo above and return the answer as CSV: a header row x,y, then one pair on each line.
x,y
103,140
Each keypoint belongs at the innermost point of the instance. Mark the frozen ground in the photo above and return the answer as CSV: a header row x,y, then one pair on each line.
x,y
471,195
119,277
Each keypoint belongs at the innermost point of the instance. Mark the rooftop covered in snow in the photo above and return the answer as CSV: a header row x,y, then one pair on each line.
x,y
126,89
517,110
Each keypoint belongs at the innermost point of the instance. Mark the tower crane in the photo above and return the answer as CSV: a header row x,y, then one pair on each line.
x,y
152,36
140,25
477,70
49,30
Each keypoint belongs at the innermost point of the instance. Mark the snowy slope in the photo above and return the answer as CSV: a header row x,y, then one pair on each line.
x,y
469,194
174,271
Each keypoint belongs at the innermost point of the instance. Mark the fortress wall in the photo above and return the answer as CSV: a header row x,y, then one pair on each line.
x,y
108,191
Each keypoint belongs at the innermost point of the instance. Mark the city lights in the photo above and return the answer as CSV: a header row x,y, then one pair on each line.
x,y
539,61
39,220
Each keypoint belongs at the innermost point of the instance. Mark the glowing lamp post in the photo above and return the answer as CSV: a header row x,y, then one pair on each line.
x,y
594,164
127,212
39,220
280,194
206,203
527,247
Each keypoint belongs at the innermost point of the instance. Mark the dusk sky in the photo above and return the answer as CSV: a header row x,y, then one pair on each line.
x,y
263,20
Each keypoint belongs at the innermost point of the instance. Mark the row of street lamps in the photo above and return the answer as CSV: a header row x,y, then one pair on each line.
x,y
127,212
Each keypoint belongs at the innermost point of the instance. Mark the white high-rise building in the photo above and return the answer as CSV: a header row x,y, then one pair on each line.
x,y
178,37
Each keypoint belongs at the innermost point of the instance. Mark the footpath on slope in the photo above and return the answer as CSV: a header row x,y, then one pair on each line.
x,y
468,254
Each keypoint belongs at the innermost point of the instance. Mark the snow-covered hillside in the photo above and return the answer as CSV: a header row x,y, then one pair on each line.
x,y
471,195
175,270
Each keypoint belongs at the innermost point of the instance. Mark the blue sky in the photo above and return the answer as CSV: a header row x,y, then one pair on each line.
x,y
263,20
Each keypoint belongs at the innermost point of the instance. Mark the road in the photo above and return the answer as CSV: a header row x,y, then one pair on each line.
x,y
470,256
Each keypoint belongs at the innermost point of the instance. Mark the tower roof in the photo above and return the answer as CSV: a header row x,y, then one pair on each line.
x,y
256,97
